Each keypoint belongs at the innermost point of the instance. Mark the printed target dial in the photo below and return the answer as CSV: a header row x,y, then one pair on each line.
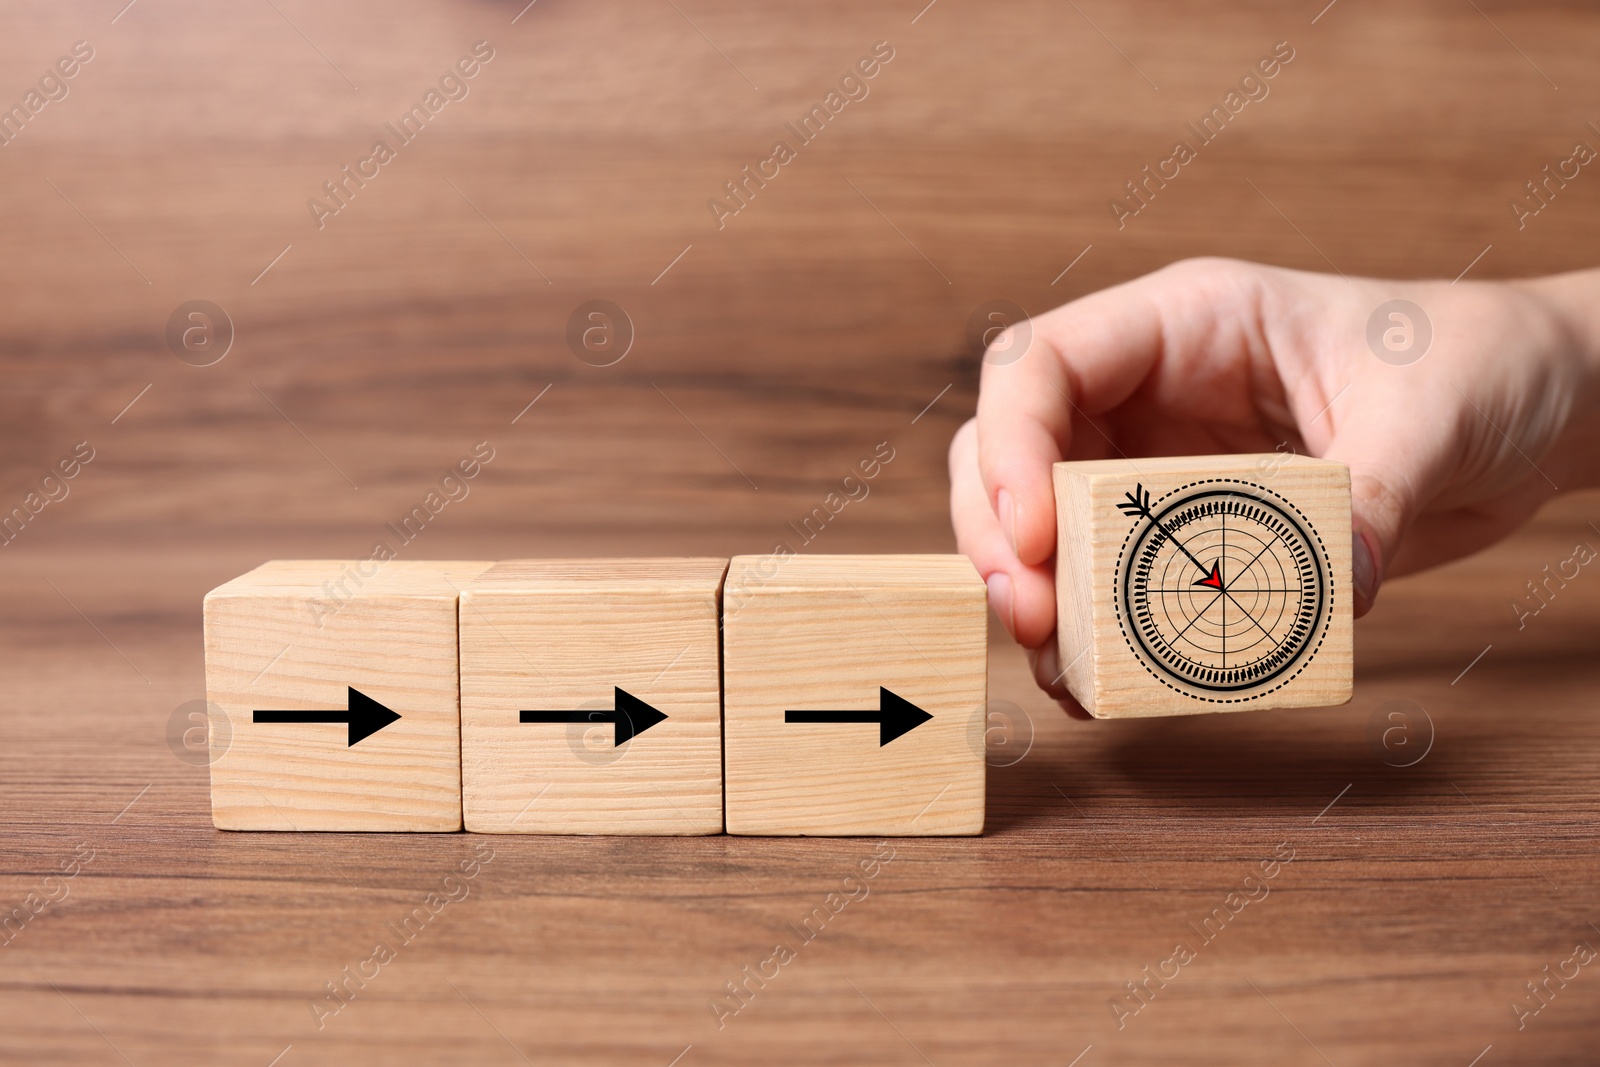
x,y
1223,588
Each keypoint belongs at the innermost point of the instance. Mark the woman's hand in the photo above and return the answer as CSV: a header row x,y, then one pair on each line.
x,y
1448,451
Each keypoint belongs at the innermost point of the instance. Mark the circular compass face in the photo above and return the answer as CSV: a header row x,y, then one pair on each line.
x,y
1223,588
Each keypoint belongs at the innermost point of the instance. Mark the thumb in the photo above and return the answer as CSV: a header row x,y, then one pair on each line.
x,y
1397,462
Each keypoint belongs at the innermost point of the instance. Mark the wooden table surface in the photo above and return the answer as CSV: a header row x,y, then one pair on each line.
x,y
768,356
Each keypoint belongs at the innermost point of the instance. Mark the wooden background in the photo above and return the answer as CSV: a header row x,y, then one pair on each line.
x,y
828,316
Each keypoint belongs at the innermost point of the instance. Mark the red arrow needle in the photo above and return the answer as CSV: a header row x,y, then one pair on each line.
x,y
1214,579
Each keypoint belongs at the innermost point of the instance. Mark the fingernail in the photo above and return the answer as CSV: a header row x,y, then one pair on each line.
x,y
1363,568
1006,510
999,584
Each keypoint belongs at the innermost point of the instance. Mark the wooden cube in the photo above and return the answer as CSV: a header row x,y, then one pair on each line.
x,y
854,695
1204,583
591,701
334,696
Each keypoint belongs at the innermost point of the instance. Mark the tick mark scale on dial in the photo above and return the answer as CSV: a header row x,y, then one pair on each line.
x,y
364,716
1244,632
631,716
895,716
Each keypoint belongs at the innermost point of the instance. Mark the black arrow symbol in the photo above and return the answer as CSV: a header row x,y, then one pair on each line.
x,y
895,716
631,716
365,716
1138,503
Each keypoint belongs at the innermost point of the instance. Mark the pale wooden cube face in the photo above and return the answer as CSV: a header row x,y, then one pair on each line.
x,y
1204,583
296,636
821,633
561,636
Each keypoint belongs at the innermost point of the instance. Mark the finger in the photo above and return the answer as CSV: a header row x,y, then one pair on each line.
x,y
1023,597
1399,458
1086,358
1046,663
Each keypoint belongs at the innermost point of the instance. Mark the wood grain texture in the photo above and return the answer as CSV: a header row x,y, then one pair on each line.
x,y
562,635
296,635
1422,898
1098,555
826,632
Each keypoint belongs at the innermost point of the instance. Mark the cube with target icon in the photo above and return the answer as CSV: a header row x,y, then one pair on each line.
x,y
1204,583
